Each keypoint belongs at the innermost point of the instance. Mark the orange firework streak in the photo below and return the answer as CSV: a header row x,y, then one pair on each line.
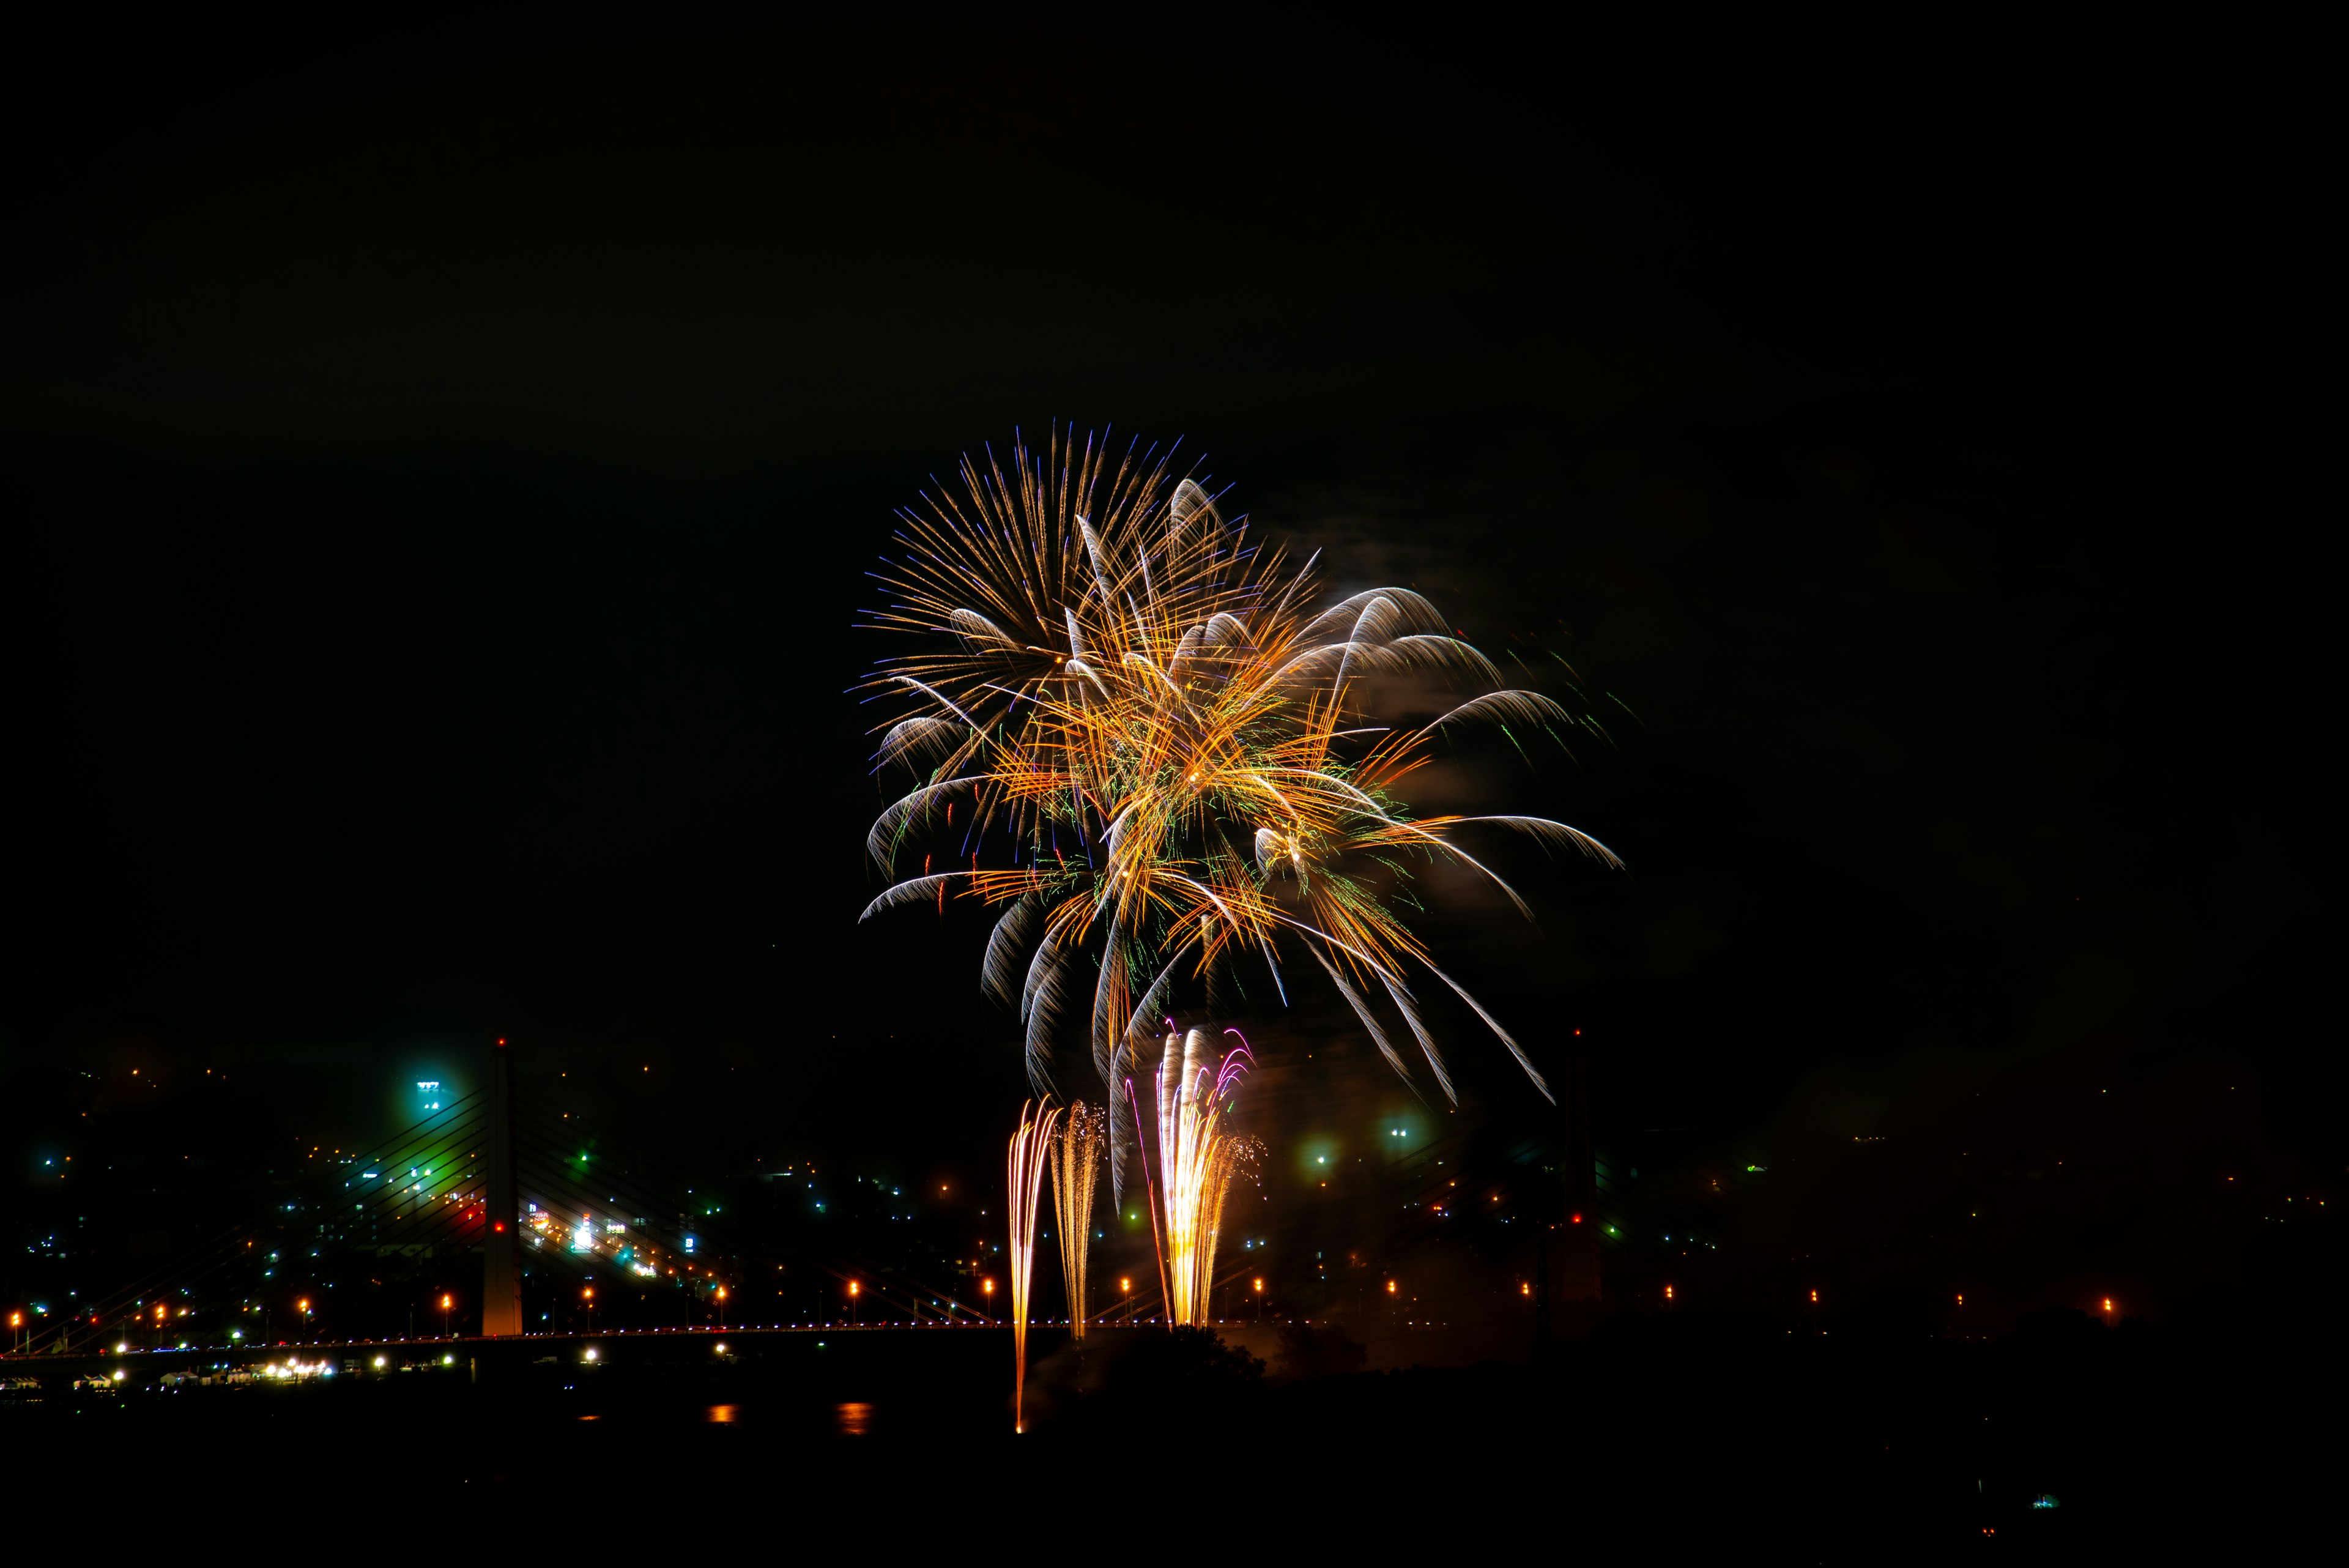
x,y
1076,1166
1024,1172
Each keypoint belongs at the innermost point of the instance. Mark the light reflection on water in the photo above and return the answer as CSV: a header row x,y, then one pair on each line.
x,y
724,1415
855,1420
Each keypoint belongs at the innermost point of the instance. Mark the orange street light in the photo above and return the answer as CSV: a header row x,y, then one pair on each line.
x,y
446,1302
854,1290
1126,1289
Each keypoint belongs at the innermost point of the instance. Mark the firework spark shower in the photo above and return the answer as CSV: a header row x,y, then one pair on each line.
x,y
1076,1166
1196,1161
1136,735
1024,1175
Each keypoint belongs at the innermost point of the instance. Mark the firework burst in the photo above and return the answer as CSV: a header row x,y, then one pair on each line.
x,y
1136,736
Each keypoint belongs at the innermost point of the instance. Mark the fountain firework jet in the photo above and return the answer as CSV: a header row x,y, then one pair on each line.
x,y
1025,1170
1076,1162
1195,1163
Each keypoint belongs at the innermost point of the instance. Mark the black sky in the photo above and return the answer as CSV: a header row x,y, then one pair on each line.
x,y
444,450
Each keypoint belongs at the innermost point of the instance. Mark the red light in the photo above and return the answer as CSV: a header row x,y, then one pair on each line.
x,y
1578,1032
501,1039
499,1226
1578,1219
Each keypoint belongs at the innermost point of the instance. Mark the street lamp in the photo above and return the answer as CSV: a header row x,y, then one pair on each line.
x,y
722,1307
587,1294
853,1288
1126,1289
1259,1300
987,1289
446,1302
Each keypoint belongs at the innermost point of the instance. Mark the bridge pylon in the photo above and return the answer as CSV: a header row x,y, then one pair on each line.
x,y
501,1235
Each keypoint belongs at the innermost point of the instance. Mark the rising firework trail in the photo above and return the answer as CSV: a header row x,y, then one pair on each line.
x,y
1135,735
1024,1171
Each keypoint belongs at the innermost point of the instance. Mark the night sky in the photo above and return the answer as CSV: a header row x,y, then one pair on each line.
x,y
444,451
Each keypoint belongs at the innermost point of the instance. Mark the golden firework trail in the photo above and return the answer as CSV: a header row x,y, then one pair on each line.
x,y
1076,1164
1134,734
1195,1164
1024,1169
